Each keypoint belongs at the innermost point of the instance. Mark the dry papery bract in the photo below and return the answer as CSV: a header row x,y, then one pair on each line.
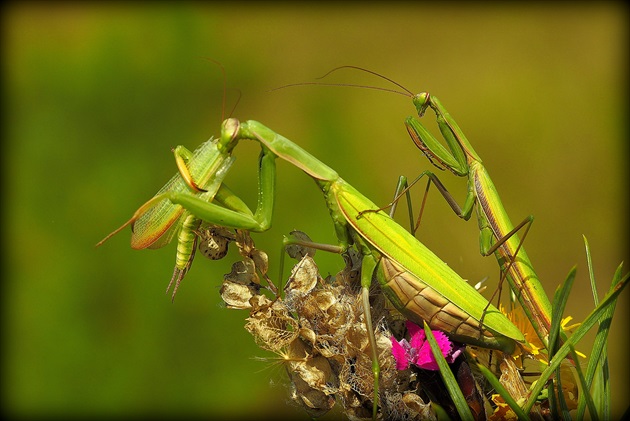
x,y
316,326
213,241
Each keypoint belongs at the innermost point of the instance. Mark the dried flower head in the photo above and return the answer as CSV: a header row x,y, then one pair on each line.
x,y
317,328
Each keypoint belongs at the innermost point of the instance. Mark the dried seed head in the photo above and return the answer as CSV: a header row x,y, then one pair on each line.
x,y
244,242
296,251
351,273
213,241
415,404
314,370
315,402
319,332
237,295
303,279
271,325
247,249
243,272
312,379
261,261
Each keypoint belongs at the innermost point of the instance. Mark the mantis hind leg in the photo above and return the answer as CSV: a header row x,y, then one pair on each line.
x,y
403,188
367,270
487,247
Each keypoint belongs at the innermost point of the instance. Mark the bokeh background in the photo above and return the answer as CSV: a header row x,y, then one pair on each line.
x,y
95,95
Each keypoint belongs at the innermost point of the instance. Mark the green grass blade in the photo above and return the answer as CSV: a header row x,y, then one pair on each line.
x,y
560,299
591,272
605,404
498,387
449,379
587,397
561,296
440,413
598,361
553,404
579,333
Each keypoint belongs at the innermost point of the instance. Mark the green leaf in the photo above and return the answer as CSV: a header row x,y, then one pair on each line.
x,y
586,325
449,379
498,387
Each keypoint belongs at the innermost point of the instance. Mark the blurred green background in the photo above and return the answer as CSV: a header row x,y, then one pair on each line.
x,y
95,95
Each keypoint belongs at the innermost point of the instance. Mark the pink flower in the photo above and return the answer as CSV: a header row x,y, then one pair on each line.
x,y
418,351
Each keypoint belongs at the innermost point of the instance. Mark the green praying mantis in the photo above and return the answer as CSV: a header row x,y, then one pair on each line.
x,y
201,175
419,284
497,233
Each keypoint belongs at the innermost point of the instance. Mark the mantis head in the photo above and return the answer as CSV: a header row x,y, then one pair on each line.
x,y
421,101
229,134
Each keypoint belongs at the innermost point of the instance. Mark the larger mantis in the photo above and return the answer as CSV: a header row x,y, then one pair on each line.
x,y
497,233
420,285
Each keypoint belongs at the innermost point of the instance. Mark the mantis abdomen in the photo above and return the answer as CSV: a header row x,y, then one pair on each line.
x,y
418,302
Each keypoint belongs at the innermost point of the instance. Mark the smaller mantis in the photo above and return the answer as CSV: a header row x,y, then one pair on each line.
x,y
201,174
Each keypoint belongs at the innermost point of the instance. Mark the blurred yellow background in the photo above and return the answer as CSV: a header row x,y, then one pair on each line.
x,y
97,94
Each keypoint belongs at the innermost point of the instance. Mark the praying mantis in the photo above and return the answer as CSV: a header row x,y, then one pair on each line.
x,y
169,212
497,233
420,285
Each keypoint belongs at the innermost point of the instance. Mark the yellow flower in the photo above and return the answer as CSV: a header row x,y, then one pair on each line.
x,y
535,347
502,412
